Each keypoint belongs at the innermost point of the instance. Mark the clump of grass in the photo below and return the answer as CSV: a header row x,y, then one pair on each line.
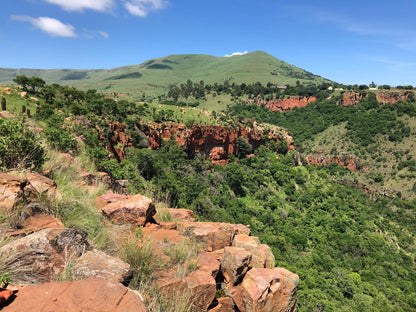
x,y
179,300
77,209
141,259
184,255
163,215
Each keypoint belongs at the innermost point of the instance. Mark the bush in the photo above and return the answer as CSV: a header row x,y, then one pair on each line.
x,y
19,146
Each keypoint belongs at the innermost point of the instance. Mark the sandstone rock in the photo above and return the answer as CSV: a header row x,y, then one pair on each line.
x,y
224,304
95,263
169,283
177,214
5,295
287,104
136,210
262,254
39,186
208,262
215,235
7,114
93,294
42,256
109,198
11,191
267,290
88,177
156,233
36,223
351,98
235,264
203,288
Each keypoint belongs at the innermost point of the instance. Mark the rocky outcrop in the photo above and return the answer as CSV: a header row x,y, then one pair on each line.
x,y
287,104
353,98
235,263
136,210
351,163
93,294
266,290
214,235
42,256
214,142
391,97
95,263
262,256
16,190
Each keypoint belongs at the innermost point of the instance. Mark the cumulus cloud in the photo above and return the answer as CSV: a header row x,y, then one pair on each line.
x,y
49,25
236,53
143,7
81,5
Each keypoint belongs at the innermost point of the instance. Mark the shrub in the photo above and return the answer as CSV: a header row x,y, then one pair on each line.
x,y
19,146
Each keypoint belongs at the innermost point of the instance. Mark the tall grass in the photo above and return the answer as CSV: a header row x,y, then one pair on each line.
x,y
77,209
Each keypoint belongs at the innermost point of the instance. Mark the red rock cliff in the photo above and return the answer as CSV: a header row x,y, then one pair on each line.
x,y
353,98
348,162
216,142
287,104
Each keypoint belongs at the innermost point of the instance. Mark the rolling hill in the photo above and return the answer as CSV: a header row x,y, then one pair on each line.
x,y
156,76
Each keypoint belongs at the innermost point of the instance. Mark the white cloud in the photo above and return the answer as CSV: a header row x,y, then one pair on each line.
x,y
49,25
104,34
81,5
236,53
143,7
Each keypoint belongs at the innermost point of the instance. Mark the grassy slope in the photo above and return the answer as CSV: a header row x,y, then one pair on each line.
x,y
383,157
154,77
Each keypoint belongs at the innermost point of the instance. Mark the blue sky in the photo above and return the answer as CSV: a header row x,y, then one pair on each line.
x,y
346,41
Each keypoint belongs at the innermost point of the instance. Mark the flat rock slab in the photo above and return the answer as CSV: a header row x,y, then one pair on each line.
x,y
95,263
137,210
215,235
93,295
36,223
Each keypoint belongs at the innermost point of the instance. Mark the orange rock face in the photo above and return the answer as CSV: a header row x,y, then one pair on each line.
x,y
347,162
93,294
288,103
353,98
136,210
267,290
215,142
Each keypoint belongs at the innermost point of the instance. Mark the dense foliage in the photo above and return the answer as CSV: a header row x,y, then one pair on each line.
x,y
352,252
364,121
19,145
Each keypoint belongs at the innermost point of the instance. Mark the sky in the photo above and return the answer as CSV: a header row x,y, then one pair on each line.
x,y
350,42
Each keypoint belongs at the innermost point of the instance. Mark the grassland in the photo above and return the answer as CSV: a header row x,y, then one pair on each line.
x,y
155,77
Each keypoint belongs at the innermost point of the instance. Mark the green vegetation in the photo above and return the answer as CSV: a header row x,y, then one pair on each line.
x,y
156,77
19,146
352,252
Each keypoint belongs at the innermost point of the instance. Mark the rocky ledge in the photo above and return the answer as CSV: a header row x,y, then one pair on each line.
x,y
231,270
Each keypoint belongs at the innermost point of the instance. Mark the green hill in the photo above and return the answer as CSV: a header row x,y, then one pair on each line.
x,y
155,77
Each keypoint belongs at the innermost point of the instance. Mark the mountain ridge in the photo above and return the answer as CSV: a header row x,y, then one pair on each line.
x,y
156,76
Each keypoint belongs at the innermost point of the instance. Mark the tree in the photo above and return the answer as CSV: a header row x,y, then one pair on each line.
x,y
23,81
36,84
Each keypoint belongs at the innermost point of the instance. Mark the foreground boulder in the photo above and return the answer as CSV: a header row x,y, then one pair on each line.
x,y
267,290
137,210
95,263
42,256
203,288
93,294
